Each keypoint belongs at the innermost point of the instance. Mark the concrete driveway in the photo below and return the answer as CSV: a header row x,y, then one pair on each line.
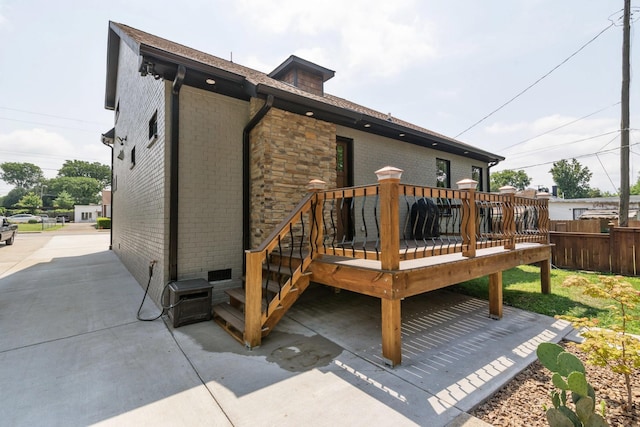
x,y
72,352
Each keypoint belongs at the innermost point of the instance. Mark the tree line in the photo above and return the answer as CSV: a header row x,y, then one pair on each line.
x,y
77,183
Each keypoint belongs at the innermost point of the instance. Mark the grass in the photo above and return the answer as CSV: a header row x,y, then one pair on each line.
x,y
521,289
37,227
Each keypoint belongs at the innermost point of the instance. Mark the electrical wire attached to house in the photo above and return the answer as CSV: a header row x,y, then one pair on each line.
x,y
152,264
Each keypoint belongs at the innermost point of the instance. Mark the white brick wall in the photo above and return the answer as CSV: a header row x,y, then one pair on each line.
x,y
210,209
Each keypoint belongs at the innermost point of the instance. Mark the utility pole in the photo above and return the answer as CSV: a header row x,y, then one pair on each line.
x,y
623,216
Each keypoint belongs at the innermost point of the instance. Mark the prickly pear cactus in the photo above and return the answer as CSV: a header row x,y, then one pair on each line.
x,y
568,375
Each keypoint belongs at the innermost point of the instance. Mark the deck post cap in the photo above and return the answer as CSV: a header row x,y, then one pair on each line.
x,y
389,172
316,185
467,184
507,189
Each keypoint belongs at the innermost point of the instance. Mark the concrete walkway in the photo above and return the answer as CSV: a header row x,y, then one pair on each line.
x,y
72,352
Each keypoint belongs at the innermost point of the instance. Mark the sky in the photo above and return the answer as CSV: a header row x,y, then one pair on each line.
x,y
439,64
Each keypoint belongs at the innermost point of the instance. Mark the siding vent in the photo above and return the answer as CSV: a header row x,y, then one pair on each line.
x,y
218,275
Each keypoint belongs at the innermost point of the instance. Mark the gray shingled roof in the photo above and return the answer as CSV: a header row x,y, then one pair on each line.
x,y
255,77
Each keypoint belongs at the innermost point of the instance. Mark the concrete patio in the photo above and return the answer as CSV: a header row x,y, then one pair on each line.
x,y
72,352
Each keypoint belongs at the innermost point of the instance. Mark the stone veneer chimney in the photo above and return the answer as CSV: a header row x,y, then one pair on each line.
x,y
303,74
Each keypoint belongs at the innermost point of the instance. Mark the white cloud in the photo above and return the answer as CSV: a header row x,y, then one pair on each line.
x,y
46,149
376,36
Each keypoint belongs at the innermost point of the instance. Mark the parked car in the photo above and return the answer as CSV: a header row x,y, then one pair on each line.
x,y
7,231
23,218
62,218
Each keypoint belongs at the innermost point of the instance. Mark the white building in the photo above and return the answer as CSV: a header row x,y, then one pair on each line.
x,y
569,209
87,213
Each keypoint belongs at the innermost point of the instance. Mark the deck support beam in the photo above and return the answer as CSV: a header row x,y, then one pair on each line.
x,y
495,295
253,304
391,329
545,276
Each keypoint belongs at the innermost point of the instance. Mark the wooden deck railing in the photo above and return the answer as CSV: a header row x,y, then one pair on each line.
x,y
416,222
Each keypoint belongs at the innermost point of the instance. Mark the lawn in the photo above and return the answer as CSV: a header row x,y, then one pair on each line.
x,y
521,289
38,227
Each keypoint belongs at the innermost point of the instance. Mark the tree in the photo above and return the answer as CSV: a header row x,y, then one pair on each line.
x,y
518,179
63,201
571,178
22,175
31,201
84,191
13,197
79,168
635,188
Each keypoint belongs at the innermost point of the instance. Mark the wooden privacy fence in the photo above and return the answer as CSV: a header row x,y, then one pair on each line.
x,y
615,252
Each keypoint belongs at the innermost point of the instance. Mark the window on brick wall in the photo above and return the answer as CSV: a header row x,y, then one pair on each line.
x,y
443,173
476,175
133,156
153,126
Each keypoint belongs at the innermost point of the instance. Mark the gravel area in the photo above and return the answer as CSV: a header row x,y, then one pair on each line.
x,y
520,402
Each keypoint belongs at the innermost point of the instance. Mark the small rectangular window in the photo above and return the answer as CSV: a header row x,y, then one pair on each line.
x,y
153,125
443,173
476,175
133,156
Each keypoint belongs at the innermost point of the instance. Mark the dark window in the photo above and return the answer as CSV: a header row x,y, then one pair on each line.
x,y
153,125
476,175
133,156
443,177
578,211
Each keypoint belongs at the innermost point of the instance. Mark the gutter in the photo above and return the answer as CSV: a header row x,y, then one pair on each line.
x,y
173,172
246,173
107,141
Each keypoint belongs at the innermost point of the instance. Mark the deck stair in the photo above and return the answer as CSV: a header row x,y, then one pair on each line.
x,y
282,285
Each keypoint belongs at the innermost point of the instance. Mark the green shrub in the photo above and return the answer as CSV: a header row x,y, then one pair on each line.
x,y
103,222
33,221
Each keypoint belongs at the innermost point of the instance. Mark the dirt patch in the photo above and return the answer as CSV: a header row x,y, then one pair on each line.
x,y
520,402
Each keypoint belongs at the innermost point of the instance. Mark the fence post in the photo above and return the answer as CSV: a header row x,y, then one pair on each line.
x,y
469,216
508,215
389,180
316,218
253,303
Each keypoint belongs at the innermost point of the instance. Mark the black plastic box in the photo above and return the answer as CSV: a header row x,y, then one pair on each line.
x,y
190,301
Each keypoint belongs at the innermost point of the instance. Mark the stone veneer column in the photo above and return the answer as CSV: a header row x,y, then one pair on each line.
x,y
287,151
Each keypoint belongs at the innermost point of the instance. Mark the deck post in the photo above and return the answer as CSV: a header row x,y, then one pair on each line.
x,y
495,295
469,217
391,329
316,219
253,297
543,216
508,215
545,275
389,180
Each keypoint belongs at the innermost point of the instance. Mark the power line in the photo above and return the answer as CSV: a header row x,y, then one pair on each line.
x,y
48,125
51,115
573,157
538,150
562,126
535,83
